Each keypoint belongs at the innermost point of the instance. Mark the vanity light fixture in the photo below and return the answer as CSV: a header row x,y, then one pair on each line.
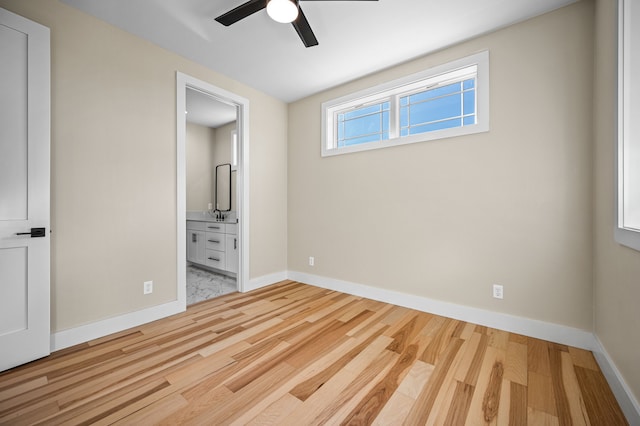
x,y
283,11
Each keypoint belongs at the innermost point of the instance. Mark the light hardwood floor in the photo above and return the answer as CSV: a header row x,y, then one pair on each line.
x,y
294,354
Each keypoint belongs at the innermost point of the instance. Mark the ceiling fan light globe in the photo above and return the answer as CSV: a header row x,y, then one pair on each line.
x,y
283,11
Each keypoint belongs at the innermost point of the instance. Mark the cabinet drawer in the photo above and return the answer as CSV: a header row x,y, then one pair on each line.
x,y
215,241
196,225
215,227
216,259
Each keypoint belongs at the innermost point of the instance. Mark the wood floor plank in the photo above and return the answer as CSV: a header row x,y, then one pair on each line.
x,y
395,410
540,393
195,406
468,356
540,418
445,397
332,388
562,402
538,357
484,403
518,401
460,403
295,354
275,413
579,415
440,342
369,407
505,406
600,403
416,379
372,384
516,363
471,376
156,412
424,402
583,359
306,388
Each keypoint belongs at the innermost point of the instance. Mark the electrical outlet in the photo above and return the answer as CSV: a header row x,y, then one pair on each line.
x,y
312,261
148,287
498,291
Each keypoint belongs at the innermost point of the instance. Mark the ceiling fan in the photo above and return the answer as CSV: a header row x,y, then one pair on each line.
x,y
284,11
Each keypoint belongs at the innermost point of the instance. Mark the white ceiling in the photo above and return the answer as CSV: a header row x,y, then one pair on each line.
x,y
356,37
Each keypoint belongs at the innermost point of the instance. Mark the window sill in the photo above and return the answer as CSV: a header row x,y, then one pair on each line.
x,y
627,238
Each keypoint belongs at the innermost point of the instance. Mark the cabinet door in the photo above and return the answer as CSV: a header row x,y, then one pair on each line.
x,y
232,253
196,246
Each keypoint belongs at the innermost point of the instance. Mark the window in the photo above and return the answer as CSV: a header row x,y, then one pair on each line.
x,y
234,150
445,101
627,231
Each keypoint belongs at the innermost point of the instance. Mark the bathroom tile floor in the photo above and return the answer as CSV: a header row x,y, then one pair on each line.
x,y
203,285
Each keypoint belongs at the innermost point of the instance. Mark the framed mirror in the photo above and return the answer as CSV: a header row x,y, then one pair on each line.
x,y
222,185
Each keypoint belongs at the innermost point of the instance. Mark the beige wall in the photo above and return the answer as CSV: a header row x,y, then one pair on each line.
x,y
447,219
200,152
114,167
617,268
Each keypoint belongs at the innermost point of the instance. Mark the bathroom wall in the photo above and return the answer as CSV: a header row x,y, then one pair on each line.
x,y
207,148
201,148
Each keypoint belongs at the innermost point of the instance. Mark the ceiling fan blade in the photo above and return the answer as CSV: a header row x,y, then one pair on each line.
x,y
241,12
304,29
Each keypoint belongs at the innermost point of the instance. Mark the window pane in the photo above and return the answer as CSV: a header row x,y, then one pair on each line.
x,y
365,124
404,115
362,126
437,109
439,125
362,111
434,93
362,139
469,102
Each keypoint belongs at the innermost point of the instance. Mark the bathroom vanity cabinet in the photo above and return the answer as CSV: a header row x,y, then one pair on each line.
x,y
213,244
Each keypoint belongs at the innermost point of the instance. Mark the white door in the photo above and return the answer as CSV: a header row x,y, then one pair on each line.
x,y
24,190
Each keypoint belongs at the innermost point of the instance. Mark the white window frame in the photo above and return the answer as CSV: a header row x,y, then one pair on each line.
x,y
628,131
440,74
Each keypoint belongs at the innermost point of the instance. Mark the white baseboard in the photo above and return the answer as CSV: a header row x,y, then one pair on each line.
x,y
514,324
74,336
265,280
628,403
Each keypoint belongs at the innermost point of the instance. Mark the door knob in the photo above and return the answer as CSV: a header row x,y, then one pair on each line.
x,y
34,233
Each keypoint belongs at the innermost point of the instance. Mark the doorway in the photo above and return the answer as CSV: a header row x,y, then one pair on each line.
x,y
218,229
